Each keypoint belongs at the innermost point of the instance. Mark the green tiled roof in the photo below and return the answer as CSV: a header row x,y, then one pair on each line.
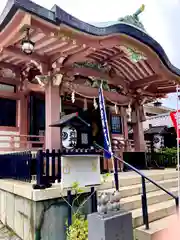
x,y
129,19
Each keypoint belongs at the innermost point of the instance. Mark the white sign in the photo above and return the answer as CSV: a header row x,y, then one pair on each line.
x,y
84,169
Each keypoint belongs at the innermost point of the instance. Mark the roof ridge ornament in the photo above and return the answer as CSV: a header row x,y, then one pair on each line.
x,y
134,18
139,11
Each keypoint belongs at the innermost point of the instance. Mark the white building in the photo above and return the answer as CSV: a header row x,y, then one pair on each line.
x,y
157,116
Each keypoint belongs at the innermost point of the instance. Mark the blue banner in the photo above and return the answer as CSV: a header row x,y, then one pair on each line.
x,y
107,142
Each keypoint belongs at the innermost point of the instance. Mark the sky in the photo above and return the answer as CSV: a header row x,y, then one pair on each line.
x,y
160,19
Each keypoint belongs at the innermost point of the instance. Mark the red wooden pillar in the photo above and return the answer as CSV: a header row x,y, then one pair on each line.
x,y
23,120
52,108
138,132
125,129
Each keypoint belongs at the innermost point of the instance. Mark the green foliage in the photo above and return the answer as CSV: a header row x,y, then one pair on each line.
x,y
170,156
76,188
97,83
172,152
79,228
105,176
86,64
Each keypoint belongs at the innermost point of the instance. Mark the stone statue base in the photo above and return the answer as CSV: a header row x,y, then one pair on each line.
x,y
110,226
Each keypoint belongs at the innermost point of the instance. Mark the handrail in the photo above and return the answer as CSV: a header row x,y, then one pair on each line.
x,y
144,198
21,135
14,142
138,172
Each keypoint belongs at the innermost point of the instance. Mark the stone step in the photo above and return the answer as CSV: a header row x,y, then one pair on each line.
x,y
132,190
160,204
156,175
132,178
156,229
134,202
156,211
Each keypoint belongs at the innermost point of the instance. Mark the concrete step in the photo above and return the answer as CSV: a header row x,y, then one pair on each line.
x,y
132,190
134,202
131,178
157,229
156,211
156,175
160,204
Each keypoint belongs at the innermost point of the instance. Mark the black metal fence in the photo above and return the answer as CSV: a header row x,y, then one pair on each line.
x,y
48,168
46,165
161,160
16,166
149,160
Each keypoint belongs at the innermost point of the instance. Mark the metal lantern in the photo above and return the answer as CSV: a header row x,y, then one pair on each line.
x,y
27,45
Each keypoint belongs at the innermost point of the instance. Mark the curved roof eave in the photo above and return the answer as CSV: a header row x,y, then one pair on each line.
x,y
58,16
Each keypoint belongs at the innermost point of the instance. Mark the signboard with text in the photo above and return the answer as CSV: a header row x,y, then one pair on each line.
x,y
84,169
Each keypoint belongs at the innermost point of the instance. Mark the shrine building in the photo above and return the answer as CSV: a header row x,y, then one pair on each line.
x,y
52,64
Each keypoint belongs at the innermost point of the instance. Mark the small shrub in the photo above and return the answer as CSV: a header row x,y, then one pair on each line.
x,y
170,151
170,156
105,177
79,228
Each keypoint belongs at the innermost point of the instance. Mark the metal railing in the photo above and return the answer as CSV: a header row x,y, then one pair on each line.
x,y
48,168
16,166
144,193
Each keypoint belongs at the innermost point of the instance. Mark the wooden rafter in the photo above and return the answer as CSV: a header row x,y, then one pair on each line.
x,y
166,90
78,56
16,52
114,57
145,81
148,77
11,32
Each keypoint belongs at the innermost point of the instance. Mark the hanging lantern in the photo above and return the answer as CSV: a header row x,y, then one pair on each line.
x,y
95,103
27,45
85,104
73,97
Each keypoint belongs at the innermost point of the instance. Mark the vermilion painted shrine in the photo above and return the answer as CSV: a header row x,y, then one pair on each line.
x,y
50,59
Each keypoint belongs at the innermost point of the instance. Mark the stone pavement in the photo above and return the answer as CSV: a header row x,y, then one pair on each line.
x,y
6,234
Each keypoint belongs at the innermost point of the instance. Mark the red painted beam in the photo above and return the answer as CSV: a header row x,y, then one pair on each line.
x,y
87,72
